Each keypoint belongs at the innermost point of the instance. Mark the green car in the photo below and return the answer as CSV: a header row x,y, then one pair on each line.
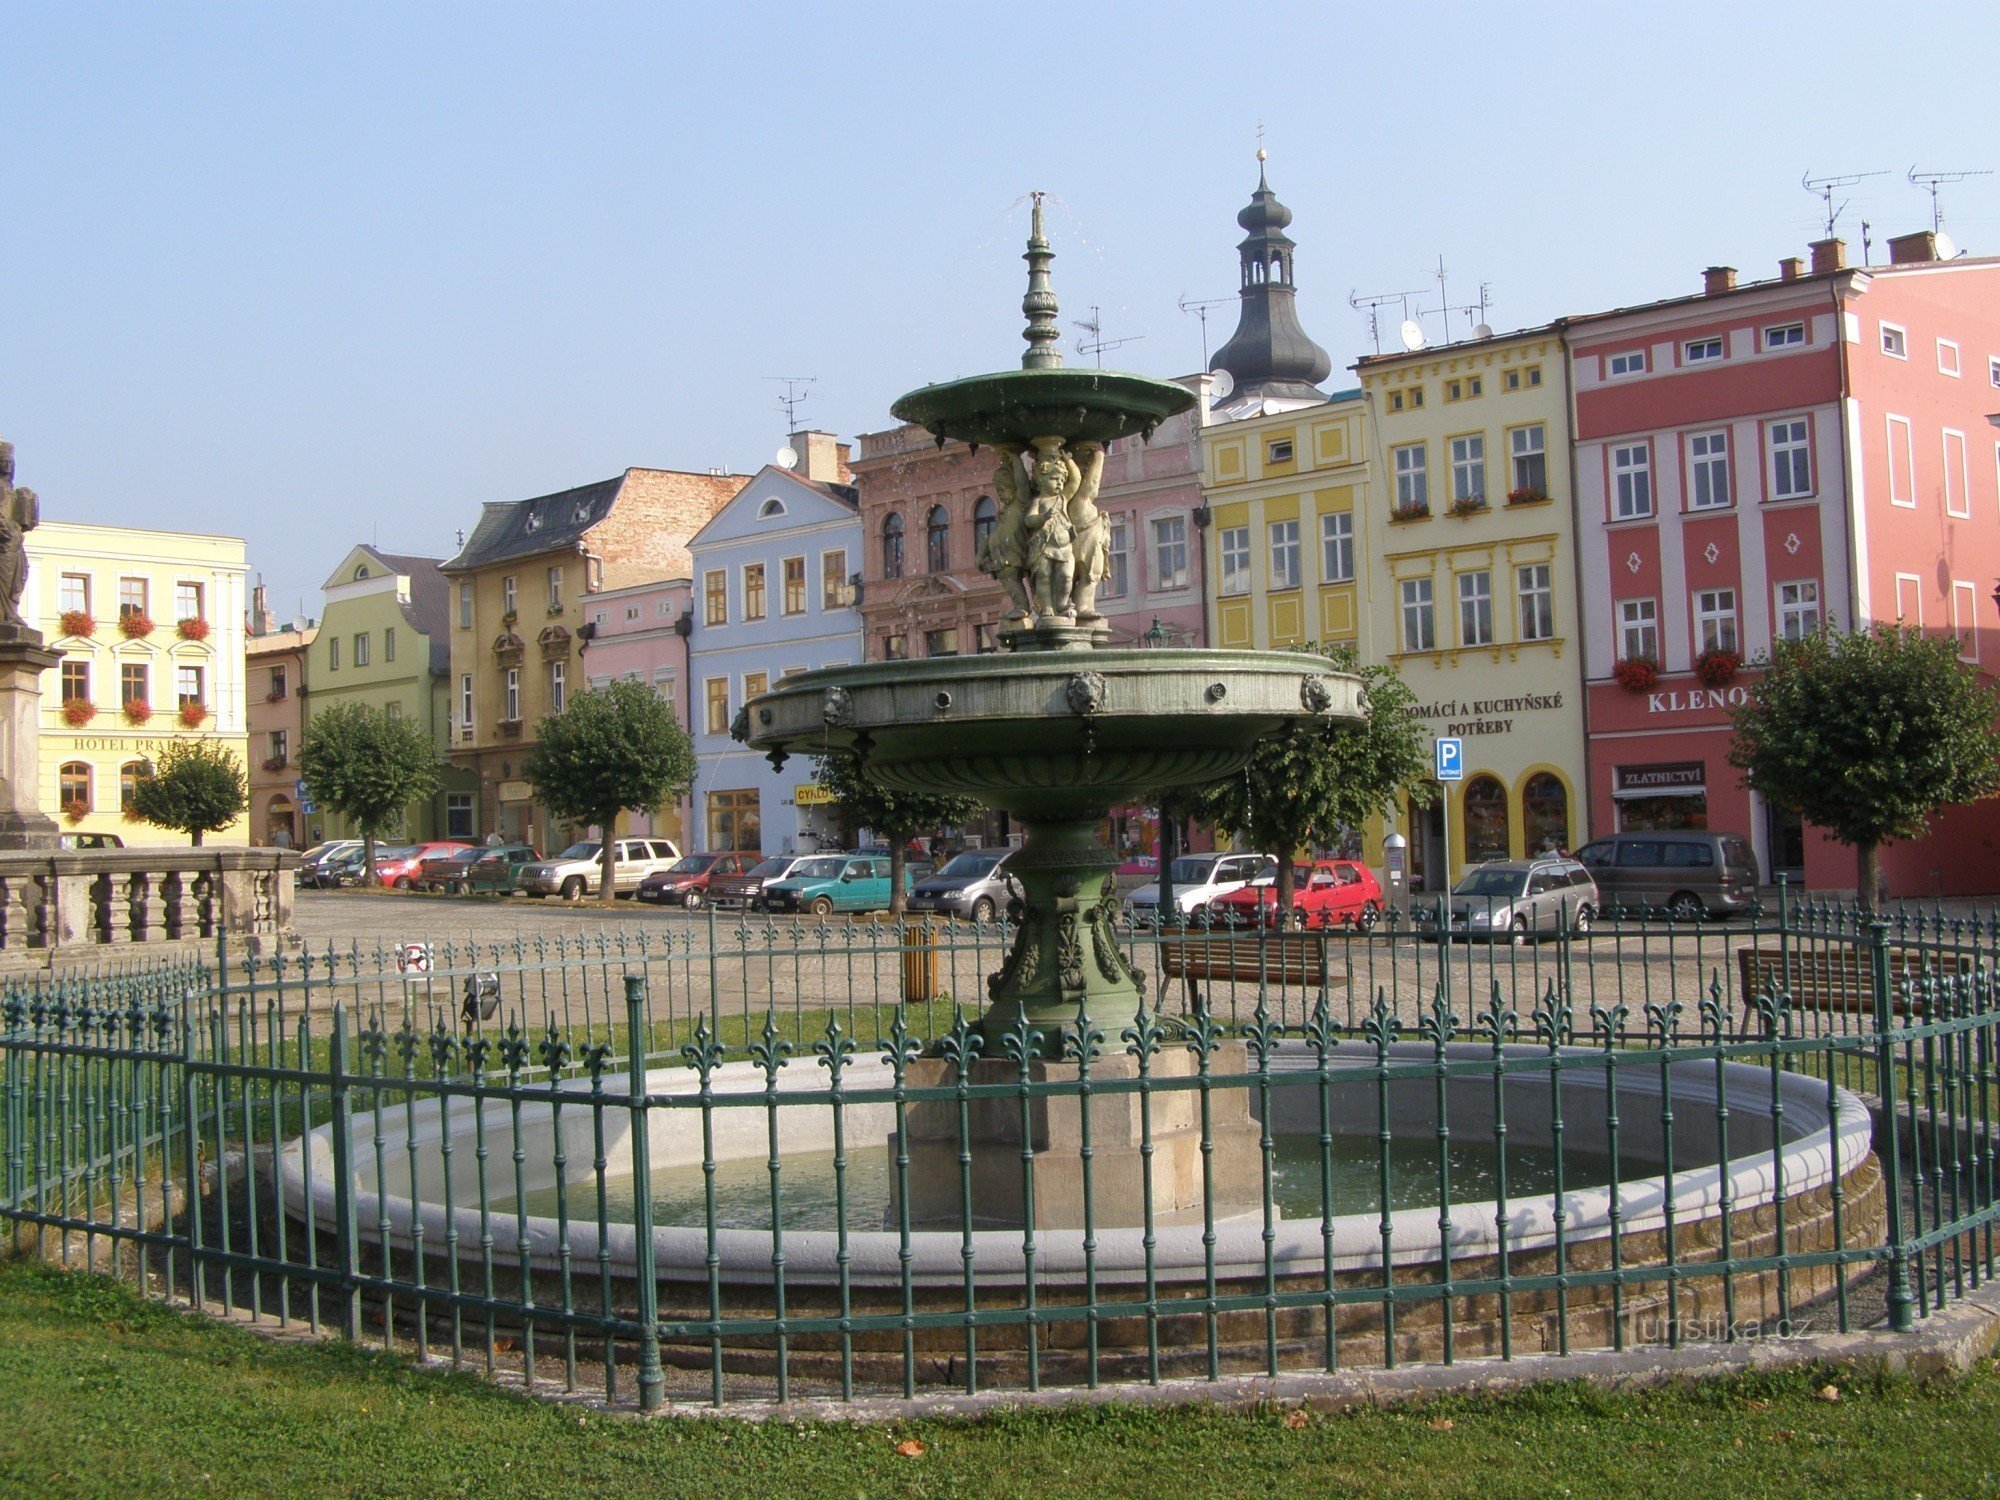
x,y
829,883
497,867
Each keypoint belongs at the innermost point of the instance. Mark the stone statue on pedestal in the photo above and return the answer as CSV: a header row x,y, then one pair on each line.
x,y
23,659
20,513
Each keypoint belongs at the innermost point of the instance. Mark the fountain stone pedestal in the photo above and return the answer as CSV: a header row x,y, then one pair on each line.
x,y
981,1161
23,659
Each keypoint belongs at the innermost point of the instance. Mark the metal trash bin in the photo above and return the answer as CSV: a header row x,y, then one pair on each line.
x,y
920,962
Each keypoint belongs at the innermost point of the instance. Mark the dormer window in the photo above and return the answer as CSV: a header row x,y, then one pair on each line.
x,y
361,572
582,512
534,518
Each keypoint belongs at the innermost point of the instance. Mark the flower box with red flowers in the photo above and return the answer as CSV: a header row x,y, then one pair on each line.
x,y
1716,668
275,763
193,628
78,712
79,623
134,624
193,713
1636,674
75,811
1528,494
1416,510
137,712
1468,505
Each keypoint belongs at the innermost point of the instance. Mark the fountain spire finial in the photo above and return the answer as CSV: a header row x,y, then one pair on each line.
x,y
1039,306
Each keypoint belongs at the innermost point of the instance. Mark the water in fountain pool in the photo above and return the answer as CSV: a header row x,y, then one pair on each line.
x,y
809,1199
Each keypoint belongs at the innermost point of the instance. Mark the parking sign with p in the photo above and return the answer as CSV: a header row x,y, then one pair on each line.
x,y
1450,760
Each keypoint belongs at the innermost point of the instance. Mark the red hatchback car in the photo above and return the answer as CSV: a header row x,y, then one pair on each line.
x,y
1325,893
400,873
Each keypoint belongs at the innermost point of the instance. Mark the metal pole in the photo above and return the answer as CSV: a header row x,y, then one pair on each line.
x,y
652,1379
347,1248
1901,1298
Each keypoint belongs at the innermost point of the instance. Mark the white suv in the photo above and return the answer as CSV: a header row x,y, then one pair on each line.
x,y
576,871
1197,880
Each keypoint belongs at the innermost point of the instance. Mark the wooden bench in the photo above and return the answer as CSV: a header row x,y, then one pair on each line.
x,y
1838,979
1289,959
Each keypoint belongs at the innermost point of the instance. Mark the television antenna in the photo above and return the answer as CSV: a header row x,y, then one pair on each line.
x,y
1375,302
1932,181
1475,314
1097,343
795,395
1824,188
1200,309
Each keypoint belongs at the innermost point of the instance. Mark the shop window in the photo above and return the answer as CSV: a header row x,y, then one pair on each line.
x,y
1485,820
733,821
1544,814
458,815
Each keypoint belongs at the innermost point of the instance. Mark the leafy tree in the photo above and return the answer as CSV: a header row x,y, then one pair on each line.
x,y
1867,734
1306,785
896,816
611,748
368,765
195,787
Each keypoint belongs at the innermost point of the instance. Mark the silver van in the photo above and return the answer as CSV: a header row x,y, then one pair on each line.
x,y
974,884
1687,873
1510,900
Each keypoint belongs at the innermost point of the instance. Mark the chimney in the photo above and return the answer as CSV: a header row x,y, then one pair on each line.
x,y
1791,268
1718,279
822,457
262,622
1906,249
1828,255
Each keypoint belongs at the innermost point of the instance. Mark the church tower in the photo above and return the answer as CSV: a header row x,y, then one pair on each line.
x,y
1274,364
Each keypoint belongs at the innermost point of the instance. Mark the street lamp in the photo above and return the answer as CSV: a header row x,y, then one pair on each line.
x,y
1159,635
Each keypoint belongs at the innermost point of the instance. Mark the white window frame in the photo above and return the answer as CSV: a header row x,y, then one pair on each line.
x,y
1895,341
509,595
1411,462
465,704
189,600
1286,566
513,695
1715,621
1954,367
1626,363
1170,541
1787,444
1475,608
1957,476
1233,545
1632,481
558,686
361,652
1468,467
1895,425
1639,629
1798,609
1535,601
1965,618
465,606
1911,612
1118,560
1419,610
1704,351
1993,371
1336,546
73,593
1784,336
1708,470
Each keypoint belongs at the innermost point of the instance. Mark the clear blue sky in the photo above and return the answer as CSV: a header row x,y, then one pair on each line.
x,y
325,274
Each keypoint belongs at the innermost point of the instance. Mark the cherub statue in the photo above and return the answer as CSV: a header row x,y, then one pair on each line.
x,y
1090,532
20,513
1004,554
1051,557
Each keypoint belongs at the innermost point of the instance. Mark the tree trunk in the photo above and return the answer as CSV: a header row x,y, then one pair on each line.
x,y
898,862
368,860
1285,888
196,837
1868,864
607,860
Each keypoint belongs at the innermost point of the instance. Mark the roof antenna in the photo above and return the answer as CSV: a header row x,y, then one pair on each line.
x,y
1375,304
795,396
1824,188
1098,343
1200,310
1931,182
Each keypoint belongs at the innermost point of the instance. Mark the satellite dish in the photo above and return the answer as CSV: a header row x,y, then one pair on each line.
x,y
1221,383
1411,333
1483,331
1947,247
786,458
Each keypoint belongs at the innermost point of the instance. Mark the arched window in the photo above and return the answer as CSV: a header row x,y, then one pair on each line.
x,y
1485,820
985,515
129,776
1544,814
892,547
770,508
73,784
937,540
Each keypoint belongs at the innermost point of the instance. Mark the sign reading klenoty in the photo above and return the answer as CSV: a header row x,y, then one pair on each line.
x,y
1475,716
1696,700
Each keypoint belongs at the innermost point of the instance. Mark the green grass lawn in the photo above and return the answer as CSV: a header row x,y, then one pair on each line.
x,y
103,1394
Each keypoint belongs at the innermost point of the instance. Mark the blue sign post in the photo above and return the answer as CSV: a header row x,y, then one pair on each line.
x,y
1450,767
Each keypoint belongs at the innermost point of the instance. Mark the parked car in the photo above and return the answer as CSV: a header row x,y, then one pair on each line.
x,y
1198,879
747,889
1325,893
577,870
974,884
1512,899
499,866
827,883
398,870
1687,873
319,854
343,867
686,881
446,870
89,841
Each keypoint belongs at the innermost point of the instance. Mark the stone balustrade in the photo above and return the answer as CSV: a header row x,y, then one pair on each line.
x,y
75,899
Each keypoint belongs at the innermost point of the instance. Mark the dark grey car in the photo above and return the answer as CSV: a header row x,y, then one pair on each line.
x,y
974,884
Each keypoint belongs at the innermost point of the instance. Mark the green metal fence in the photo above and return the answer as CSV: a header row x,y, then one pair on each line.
x,y
730,1160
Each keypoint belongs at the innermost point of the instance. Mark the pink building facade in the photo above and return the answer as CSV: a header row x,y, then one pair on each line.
x,y
1758,460
642,633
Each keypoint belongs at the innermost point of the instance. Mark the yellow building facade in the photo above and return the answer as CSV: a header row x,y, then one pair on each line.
x,y
1471,590
1286,495
150,626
